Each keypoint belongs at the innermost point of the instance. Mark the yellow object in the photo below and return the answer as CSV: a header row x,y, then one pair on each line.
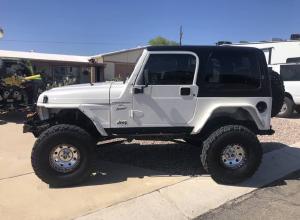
x,y
13,81
33,77
18,80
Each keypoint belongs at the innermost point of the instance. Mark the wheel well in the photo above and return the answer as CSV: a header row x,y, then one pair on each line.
x,y
286,94
76,117
228,116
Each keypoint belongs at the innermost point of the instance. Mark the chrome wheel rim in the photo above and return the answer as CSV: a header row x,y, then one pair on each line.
x,y
64,158
233,156
283,108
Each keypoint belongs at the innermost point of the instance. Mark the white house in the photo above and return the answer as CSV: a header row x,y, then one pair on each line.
x,y
119,64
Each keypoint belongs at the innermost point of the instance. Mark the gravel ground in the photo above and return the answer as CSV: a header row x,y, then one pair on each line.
x,y
287,131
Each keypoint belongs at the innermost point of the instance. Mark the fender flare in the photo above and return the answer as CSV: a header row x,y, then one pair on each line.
x,y
87,110
253,112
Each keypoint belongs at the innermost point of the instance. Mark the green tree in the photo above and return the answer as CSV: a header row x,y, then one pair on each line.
x,y
161,41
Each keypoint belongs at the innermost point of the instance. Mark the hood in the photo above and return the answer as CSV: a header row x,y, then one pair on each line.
x,y
97,93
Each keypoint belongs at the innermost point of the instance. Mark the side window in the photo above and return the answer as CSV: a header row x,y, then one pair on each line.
x,y
290,72
293,60
233,70
169,69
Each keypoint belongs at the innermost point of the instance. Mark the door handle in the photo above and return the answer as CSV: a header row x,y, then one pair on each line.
x,y
185,91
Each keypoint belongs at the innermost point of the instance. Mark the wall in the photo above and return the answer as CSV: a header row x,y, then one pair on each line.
x,y
119,64
123,57
109,71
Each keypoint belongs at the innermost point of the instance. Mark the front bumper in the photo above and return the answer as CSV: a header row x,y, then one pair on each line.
x,y
34,125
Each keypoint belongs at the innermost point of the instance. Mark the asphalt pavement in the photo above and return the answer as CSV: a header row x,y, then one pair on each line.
x,y
280,200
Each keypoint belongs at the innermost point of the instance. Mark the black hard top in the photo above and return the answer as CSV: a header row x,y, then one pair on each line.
x,y
196,48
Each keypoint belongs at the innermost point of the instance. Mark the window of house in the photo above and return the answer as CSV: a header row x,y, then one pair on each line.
x,y
169,69
233,70
64,75
290,72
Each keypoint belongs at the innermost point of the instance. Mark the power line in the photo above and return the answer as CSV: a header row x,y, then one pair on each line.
x,y
65,42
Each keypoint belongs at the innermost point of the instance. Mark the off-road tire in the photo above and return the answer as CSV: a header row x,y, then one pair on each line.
x,y
63,134
215,144
290,108
277,87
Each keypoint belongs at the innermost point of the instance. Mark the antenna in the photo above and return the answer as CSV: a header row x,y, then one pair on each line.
x,y
180,35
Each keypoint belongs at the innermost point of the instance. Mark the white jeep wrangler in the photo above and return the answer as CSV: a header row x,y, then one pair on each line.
x,y
219,98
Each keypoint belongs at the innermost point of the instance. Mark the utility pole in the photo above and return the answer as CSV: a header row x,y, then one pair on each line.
x,y
1,33
180,35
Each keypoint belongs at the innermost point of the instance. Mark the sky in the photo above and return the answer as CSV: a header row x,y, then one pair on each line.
x,y
89,27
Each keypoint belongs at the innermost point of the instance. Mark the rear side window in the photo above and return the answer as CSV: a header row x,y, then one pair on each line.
x,y
290,72
169,69
233,70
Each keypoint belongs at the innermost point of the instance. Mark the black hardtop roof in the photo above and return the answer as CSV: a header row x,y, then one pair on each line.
x,y
194,48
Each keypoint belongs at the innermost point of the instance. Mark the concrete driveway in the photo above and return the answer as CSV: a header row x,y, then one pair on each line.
x,y
24,196
138,171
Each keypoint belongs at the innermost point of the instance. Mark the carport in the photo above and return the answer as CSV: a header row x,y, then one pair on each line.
x,y
59,69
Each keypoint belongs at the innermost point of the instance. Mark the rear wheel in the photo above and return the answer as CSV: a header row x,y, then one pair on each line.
x,y
231,154
287,108
63,155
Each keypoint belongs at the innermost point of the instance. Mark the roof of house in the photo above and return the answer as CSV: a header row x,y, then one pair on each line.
x,y
120,51
44,56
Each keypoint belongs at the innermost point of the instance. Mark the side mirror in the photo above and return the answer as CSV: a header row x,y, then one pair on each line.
x,y
137,90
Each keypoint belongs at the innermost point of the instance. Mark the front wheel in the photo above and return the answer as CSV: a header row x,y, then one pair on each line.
x,y
63,155
231,154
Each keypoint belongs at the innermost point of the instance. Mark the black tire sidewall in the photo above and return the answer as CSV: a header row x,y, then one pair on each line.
x,y
278,92
226,175
49,174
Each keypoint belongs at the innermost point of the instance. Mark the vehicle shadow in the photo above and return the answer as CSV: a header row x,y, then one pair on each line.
x,y
283,181
12,117
120,161
295,115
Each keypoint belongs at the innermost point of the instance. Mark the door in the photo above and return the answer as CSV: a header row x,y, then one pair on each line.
x,y
165,92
